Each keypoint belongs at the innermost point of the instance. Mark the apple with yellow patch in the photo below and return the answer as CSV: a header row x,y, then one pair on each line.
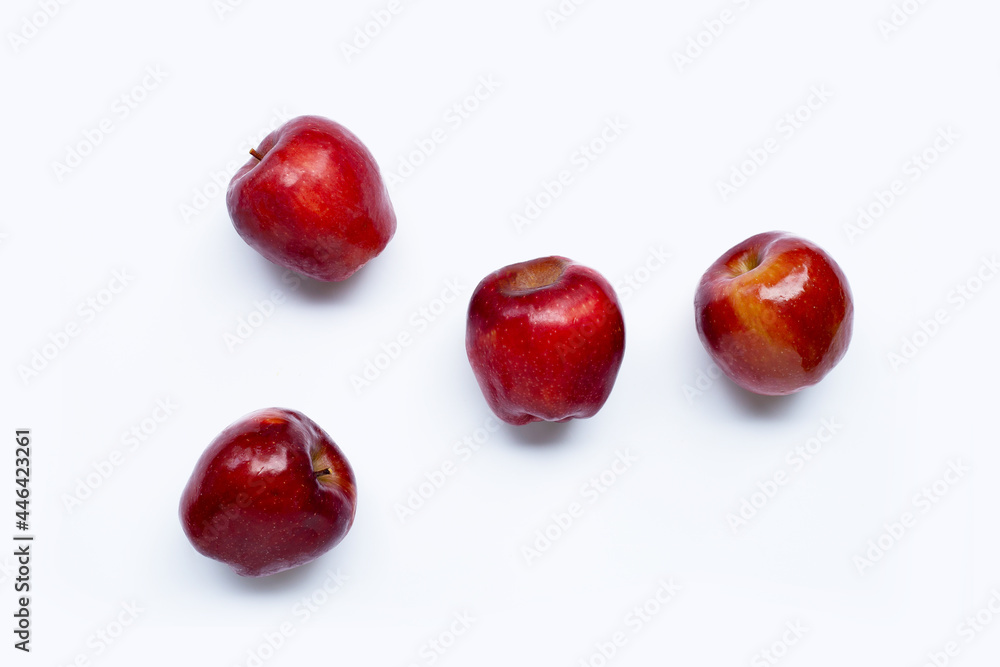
x,y
775,313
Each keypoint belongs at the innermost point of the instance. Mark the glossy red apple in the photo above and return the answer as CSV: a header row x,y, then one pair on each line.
x,y
271,492
545,339
312,199
775,313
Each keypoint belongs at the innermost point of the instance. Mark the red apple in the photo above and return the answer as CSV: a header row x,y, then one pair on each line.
x,y
775,313
545,339
271,492
311,199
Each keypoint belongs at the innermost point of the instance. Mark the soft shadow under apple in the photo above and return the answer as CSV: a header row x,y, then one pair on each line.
x,y
758,405
312,290
541,434
278,583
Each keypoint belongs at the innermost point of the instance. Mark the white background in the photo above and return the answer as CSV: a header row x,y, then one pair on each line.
x,y
142,200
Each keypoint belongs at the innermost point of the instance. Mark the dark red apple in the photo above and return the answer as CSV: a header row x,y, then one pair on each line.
x,y
545,339
271,492
775,313
312,199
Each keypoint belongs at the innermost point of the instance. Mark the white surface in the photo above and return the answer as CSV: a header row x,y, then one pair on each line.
x,y
162,337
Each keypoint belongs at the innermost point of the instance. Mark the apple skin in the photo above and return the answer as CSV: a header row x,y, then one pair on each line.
x,y
545,339
315,201
775,313
256,501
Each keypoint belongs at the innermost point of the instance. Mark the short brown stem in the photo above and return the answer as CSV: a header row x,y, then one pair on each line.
x,y
326,471
257,155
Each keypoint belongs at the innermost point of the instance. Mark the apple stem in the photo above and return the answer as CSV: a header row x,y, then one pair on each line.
x,y
257,155
326,471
